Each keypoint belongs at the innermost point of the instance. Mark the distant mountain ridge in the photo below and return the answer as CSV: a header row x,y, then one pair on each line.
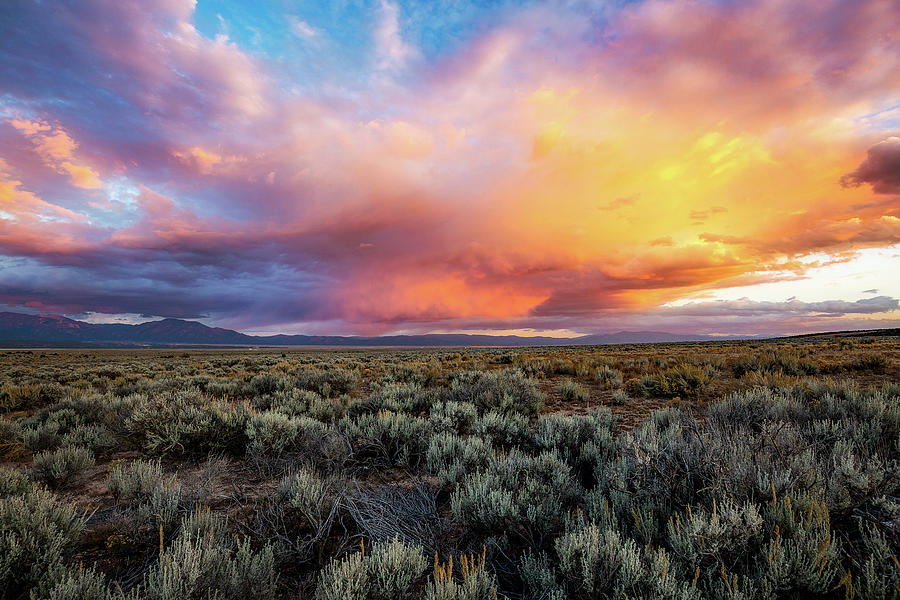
x,y
19,329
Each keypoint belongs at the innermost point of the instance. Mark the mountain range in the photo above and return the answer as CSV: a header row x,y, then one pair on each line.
x,y
25,330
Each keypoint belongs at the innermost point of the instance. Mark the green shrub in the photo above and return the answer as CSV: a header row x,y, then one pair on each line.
x,y
879,577
13,482
36,534
567,434
271,433
715,537
329,383
683,380
389,572
187,423
516,494
609,377
453,416
506,430
58,467
201,564
601,564
509,391
868,362
152,500
138,478
308,494
44,436
396,437
10,437
80,584
783,361
96,438
452,457
573,392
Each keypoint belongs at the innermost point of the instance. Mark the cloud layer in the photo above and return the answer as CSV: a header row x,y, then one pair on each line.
x,y
548,167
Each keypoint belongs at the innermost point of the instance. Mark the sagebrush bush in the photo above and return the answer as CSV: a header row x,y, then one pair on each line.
x,y
186,422
329,383
683,380
568,434
13,482
388,572
36,533
516,494
272,432
591,562
79,584
609,377
309,494
203,563
151,499
137,478
10,437
505,430
453,416
95,438
43,436
509,391
58,467
452,457
397,437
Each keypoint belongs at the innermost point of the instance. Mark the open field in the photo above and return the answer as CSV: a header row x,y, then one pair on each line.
x,y
705,470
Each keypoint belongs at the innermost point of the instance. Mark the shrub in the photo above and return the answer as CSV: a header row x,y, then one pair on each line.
x,y
44,436
619,397
517,494
346,579
452,457
13,482
200,564
10,437
507,430
133,479
453,416
58,467
187,423
682,380
36,533
601,564
716,537
153,500
572,392
868,362
329,383
609,377
397,437
389,572
96,438
307,493
567,434
271,433
509,391
474,582
879,577
80,584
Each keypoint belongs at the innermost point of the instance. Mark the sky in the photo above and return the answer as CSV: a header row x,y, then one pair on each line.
x,y
718,167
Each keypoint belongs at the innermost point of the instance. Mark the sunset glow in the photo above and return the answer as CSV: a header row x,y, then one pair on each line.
x,y
389,167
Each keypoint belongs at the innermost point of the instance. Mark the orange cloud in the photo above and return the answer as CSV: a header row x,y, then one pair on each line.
x,y
57,149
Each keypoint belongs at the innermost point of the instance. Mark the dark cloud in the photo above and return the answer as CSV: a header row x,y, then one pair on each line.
x,y
881,169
